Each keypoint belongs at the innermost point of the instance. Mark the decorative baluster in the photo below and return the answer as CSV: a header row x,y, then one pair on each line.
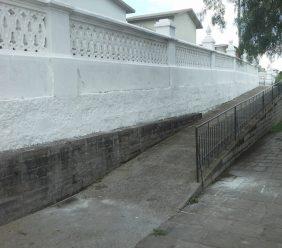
x,y
21,28
6,32
102,43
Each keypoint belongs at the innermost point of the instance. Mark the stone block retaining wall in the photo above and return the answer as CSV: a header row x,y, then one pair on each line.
x,y
35,177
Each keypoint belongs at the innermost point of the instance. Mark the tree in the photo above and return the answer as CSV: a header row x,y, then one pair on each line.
x,y
259,25
278,79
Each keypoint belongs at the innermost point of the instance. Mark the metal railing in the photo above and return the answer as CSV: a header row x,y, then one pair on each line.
x,y
214,136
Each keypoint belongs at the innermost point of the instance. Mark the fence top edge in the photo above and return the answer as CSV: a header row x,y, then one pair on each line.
x,y
235,106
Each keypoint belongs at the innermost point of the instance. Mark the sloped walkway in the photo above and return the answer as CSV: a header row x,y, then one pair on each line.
x,y
242,209
124,207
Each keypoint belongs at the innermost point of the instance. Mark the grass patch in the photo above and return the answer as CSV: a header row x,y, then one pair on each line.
x,y
193,200
277,128
159,232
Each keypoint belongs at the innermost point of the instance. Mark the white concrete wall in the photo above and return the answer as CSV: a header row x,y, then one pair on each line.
x,y
72,97
106,8
24,77
81,73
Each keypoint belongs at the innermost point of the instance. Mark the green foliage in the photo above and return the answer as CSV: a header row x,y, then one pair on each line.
x,y
218,9
259,24
193,200
159,232
277,128
278,79
261,27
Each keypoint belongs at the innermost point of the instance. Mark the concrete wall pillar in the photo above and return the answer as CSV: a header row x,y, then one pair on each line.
x,y
209,41
171,50
231,49
165,27
58,30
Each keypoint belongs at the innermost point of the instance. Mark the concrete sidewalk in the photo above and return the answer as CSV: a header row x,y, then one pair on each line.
x,y
242,209
124,207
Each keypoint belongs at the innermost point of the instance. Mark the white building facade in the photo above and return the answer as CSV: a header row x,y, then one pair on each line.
x,y
185,21
115,9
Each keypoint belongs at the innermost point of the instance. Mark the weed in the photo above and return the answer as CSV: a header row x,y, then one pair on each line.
x,y
277,128
159,232
193,200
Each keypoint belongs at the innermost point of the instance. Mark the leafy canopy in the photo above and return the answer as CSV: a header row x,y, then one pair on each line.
x,y
278,78
259,24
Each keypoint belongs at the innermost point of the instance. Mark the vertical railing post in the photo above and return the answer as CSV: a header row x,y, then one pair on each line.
x,y
263,100
235,123
197,155
209,143
272,94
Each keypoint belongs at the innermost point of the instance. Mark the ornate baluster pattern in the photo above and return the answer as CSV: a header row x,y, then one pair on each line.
x,y
223,61
96,42
22,29
189,56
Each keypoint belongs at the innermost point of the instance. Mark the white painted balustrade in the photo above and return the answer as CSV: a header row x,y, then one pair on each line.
x,y
37,26
98,42
65,73
192,56
223,61
22,28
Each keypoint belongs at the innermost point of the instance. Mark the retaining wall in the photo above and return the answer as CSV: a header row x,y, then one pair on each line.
x,y
35,177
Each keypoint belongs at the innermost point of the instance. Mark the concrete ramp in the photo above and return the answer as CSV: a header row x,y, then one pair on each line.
x,y
121,209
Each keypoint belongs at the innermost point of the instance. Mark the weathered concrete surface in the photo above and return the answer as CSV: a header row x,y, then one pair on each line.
x,y
36,177
120,210
124,207
242,209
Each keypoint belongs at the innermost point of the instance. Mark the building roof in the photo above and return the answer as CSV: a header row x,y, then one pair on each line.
x,y
167,14
129,9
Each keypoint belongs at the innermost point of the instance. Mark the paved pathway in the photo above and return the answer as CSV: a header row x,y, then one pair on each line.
x,y
124,207
242,209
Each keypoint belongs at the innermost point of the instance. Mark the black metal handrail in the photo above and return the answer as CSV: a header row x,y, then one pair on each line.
x,y
216,134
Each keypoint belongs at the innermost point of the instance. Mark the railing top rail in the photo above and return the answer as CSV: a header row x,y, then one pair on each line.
x,y
231,108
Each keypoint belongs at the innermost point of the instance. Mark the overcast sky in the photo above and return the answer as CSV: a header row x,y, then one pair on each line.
x,y
221,37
